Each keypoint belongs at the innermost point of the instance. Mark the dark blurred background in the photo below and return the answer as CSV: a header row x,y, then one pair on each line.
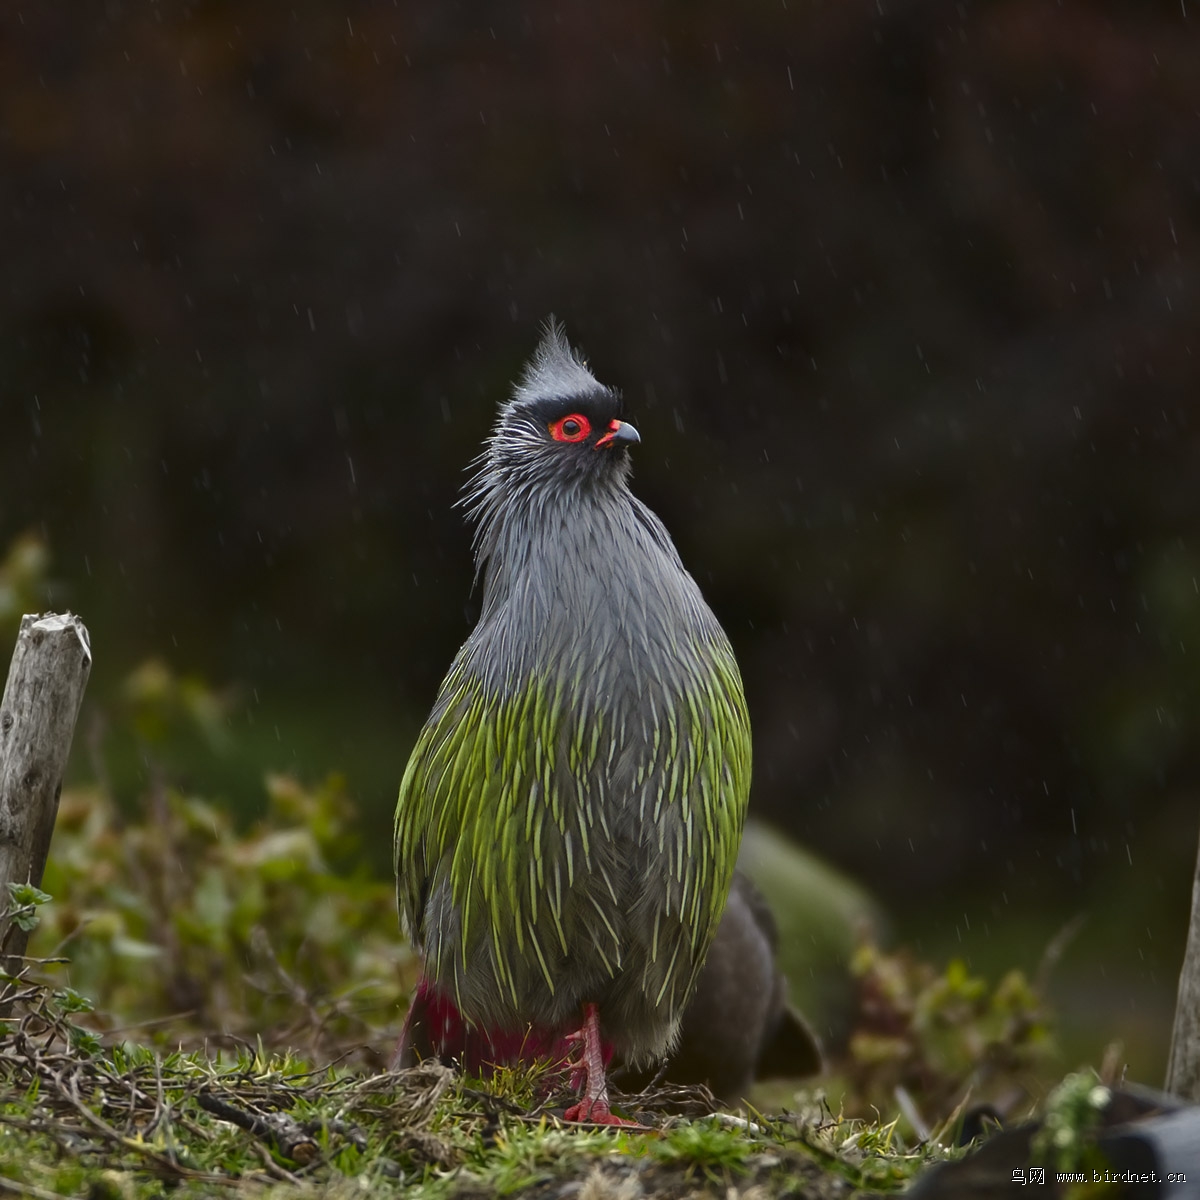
x,y
903,298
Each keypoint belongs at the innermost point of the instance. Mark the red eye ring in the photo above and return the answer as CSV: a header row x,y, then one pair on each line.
x,y
574,427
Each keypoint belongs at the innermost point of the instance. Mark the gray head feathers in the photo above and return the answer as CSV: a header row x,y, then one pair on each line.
x,y
555,371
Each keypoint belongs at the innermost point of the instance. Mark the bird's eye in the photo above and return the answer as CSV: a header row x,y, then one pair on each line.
x,y
573,428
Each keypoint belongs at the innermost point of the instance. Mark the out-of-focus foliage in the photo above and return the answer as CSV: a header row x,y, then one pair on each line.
x,y
173,917
180,921
944,1037
162,703
22,580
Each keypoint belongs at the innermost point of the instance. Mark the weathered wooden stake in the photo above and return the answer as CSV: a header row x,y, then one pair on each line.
x,y
49,671
1183,1065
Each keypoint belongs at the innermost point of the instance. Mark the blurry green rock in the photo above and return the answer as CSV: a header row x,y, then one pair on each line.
x,y
823,916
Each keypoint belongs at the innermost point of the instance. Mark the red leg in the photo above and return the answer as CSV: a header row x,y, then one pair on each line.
x,y
593,1104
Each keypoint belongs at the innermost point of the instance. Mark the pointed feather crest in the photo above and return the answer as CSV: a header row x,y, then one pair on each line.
x,y
554,370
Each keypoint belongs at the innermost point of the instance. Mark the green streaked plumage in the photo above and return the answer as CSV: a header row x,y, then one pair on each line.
x,y
568,822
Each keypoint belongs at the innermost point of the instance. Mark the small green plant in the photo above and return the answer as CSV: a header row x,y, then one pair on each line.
x,y
1073,1113
24,900
707,1147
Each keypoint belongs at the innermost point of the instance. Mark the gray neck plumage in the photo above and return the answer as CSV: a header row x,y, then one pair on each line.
x,y
591,576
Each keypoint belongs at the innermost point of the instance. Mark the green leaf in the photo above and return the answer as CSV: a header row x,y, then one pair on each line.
x,y
25,895
70,1001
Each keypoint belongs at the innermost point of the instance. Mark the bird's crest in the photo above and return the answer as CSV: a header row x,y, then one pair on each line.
x,y
554,370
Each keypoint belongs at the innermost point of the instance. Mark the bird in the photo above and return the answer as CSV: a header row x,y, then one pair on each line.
x,y
569,819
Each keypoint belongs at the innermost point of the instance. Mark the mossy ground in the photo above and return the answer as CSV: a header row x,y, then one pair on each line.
x,y
130,1122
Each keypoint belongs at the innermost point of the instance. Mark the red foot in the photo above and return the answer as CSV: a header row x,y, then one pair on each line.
x,y
596,1112
588,1073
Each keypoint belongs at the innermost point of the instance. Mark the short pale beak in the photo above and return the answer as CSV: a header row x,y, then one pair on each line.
x,y
620,433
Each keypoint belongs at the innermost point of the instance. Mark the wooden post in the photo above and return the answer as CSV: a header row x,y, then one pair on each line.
x,y
49,671
1183,1065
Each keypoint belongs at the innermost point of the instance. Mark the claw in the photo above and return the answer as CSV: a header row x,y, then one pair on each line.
x,y
597,1112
